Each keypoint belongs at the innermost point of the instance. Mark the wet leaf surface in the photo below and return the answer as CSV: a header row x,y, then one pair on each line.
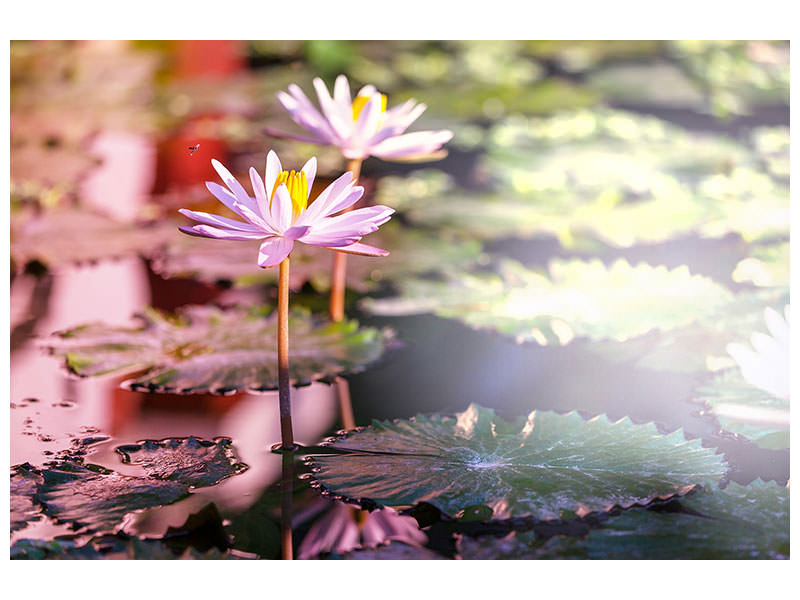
x,y
577,299
390,551
211,350
97,499
24,479
190,461
547,466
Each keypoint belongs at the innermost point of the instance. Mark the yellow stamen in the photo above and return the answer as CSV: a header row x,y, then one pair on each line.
x,y
297,185
361,101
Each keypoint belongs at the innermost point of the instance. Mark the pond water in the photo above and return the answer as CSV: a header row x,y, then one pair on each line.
x,y
435,365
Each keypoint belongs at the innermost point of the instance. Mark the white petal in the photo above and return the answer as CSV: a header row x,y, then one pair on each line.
x,y
281,210
273,251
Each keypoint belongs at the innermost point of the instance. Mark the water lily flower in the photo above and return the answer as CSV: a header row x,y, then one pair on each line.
x,y
281,215
360,126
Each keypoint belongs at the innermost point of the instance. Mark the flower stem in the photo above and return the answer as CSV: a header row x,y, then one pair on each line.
x,y
287,436
287,483
339,272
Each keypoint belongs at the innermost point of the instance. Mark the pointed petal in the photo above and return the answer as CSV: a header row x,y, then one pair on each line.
x,y
233,184
409,144
222,234
223,195
294,233
218,220
367,124
273,251
267,226
261,194
336,119
328,196
281,211
363,250
310,169
341,92
272,171
362,221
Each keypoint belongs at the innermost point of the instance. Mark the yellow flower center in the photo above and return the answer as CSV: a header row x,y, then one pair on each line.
x,y
298,190
361,101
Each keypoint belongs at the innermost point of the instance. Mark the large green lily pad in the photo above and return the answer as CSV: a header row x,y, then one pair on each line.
x,y
192,461
412,252
63,236
546,466
578,299
210,350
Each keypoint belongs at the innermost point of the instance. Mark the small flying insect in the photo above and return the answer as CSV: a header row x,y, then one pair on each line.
x,y
193,149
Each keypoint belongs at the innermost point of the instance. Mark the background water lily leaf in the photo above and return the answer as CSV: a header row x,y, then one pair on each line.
x,y
746,409
63,236
602,176
211,350
97,499
24,479
548,466
191,461
413,252
739,522
767,266
390,551
701,345
577,299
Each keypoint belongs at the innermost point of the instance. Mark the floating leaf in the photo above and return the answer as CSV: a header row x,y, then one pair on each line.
x,y
747,410
547,466
767,266
701,345
739,522
601,176
413,252
210,350
98,499
657,83
578,299
24,479
191,461
63,236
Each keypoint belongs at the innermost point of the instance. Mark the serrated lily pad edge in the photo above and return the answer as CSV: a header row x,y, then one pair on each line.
x,y
515,522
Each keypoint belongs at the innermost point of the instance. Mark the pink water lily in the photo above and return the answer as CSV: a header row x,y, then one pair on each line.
x,y
282,215
359,127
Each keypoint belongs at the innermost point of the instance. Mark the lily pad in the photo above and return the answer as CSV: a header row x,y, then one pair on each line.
x,y
24,479
390,551
610,177
97,499
577,300
210,350
747,410
548,466
65,236
191,461
413,252
767,266
739,522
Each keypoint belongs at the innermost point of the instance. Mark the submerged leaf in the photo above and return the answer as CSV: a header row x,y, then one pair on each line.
x,y
98,499
24,479
191,461
211,350
577,300
547,466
